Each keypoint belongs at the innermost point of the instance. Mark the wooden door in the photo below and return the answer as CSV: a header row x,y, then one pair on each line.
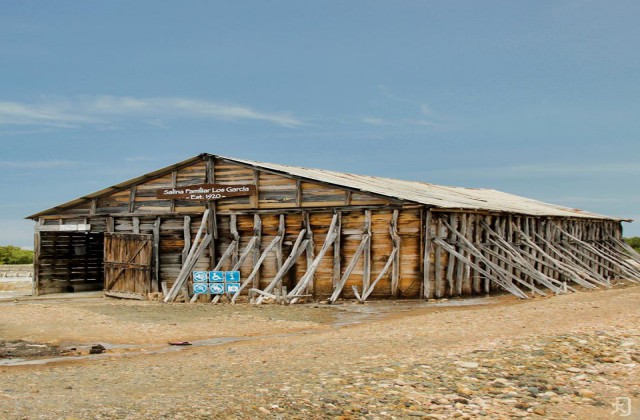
x,y
127,265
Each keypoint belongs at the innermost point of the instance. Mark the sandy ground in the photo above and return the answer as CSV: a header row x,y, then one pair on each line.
x,y
571,356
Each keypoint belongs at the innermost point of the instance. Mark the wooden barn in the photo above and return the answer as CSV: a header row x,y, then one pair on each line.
x,y
300,234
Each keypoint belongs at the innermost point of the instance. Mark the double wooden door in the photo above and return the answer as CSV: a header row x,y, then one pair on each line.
x,y
127,265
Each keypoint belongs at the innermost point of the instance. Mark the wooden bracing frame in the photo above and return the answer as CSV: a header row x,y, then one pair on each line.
x,y
519,257
469,254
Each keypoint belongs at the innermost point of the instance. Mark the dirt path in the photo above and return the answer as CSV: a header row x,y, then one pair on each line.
x,y
564,357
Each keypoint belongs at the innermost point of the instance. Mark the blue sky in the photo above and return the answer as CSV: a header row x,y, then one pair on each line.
x,y
536,98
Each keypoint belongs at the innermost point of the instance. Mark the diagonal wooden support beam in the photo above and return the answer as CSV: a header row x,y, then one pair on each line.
x,y
184,275
507,275
517,260
298,248
632,252
186,264
308,276
365,294
347,272
256,267
558,265
619,257
532,254
505,285
396,240
578,265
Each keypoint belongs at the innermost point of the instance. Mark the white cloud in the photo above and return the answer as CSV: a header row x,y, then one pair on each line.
x,y
375,121
108,110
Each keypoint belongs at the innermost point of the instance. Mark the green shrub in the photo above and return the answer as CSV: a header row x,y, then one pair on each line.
x,y
14,255
634,242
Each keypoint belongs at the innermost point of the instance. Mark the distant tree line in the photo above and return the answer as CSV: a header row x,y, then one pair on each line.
x,y
15,255
634,242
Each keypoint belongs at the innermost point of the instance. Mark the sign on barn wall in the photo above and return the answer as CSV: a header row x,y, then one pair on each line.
x,y
205,192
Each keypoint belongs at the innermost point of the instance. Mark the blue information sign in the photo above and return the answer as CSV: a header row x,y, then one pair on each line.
x,y
233,287
200,288
216,288
201,276
232,276
216,276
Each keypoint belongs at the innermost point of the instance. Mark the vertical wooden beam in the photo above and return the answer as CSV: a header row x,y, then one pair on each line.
x,y
366,262
212,224
347,198
477,238
298,193
439,289
336,253
136,224
186,232
467,281
462,219
255,199
94,207
310,250
37,251
487,279
235,236
395,268
174,184
451,287
426,258
132,199
156,256
110,228
257,232
282,231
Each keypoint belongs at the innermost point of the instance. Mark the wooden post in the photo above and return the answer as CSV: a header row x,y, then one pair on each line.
x,y
155,284
282,231
174,184
257,232
186,231
462,218
136,224
235,237
310,250
395,268
298,193
255,199
336,253
37,250
439,282
132,199
212,225
451,289
366,263
426,260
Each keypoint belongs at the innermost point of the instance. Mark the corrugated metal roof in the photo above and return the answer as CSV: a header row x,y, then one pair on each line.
x,y
430,194
417,192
